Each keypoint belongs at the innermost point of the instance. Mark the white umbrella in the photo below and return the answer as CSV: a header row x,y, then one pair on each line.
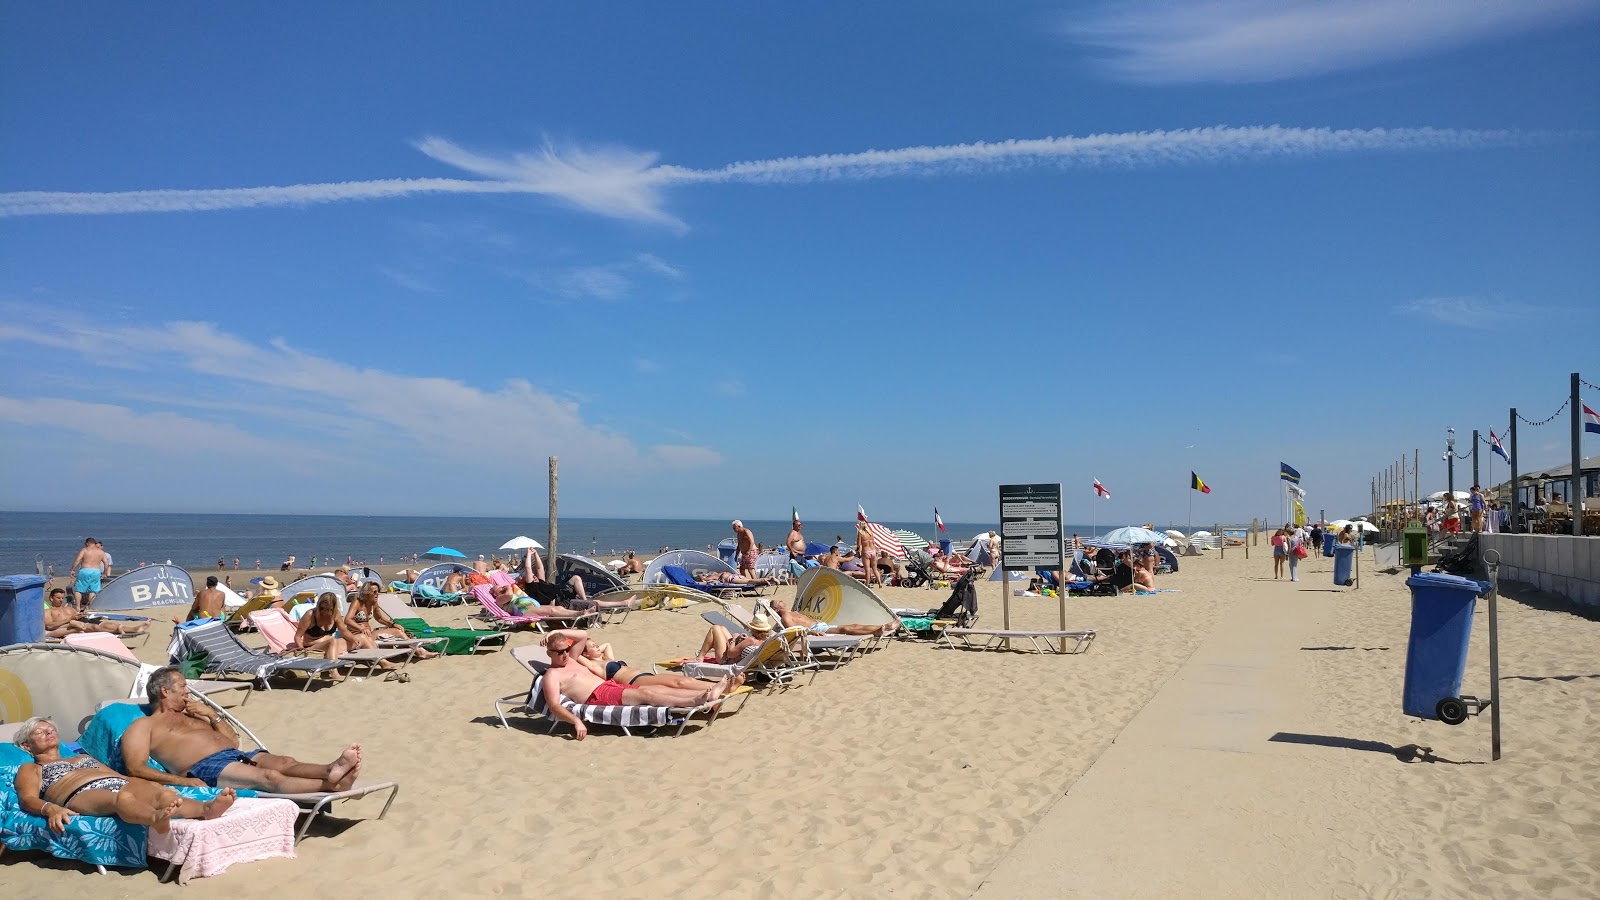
x,y
1176,535
1364,526
521,542
1339,523
614,564
1445,495
1133,534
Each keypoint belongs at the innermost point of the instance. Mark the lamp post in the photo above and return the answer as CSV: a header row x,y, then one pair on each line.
x,y
1450,458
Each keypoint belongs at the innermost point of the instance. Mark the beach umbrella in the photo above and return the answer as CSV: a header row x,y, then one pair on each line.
x,y
444,553
1443,495
1133,534
1364,526
910,539
614,564
1339,523
521,542
1177,536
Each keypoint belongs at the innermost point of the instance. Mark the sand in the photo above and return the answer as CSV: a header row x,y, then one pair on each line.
x,y
925,772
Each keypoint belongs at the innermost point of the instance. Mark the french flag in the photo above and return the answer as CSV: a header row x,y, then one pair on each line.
x,y
1591,420
936,520
1497,448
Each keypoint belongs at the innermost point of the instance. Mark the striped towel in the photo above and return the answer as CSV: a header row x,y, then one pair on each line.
x,y
621,716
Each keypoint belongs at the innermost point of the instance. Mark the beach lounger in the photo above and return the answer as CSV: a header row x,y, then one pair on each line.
x,y
680,576
225,655
116,717
280,634
239,619
494,614
457,641
1000,638
535,660
779,661
839,648
108,643
428,595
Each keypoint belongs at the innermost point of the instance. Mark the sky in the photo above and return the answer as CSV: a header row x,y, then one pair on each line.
x,y
733,258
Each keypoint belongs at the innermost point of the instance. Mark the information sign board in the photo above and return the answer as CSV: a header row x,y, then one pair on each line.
x,y
1030,527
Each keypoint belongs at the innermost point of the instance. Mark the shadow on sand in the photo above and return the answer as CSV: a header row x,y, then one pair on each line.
x,y
1410,753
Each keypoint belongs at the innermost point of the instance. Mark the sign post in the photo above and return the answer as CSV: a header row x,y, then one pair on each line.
x,y
1030,538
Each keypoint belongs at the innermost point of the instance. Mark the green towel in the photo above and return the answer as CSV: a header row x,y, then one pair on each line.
x,y
458,641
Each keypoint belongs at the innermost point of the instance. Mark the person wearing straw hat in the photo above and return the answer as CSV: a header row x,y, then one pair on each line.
x,y
725,648
269,588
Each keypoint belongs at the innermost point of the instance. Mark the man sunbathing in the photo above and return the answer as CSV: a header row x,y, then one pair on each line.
x,y
792,619
734,578
599,659
197,747
631,566
61,620
567,677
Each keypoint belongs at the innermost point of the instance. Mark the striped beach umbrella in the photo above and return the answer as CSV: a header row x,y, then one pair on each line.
x,y
910,539
886,540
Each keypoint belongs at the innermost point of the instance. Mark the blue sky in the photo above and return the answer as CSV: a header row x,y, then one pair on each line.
x,y
722,258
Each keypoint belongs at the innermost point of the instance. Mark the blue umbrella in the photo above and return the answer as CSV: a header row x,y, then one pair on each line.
x,y
444,553
1132,534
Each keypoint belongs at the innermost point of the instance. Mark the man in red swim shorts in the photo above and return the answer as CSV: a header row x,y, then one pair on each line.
x,y
568,678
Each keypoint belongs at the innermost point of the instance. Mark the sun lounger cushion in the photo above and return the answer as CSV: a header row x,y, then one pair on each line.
x,y
621,716
433,596
458,641
400,587
224,654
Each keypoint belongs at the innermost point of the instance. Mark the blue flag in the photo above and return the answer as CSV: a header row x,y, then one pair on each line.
x,y
1288,473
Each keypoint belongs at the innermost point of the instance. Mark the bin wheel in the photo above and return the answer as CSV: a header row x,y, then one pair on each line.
x,y
1451,711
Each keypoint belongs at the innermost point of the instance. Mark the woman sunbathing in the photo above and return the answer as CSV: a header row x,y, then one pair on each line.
x,y
365,621
603,664
734,578
318,632
55,788
724,647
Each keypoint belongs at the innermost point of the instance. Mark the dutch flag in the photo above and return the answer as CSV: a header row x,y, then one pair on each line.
x,y
1591,420
1497,448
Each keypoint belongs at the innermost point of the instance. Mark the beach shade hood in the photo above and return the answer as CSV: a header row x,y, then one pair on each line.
x,y
146,587
694,562
521,542
63,683
364,574
434,576
318,585
1132,534
444,553
817,548
597,579
831,596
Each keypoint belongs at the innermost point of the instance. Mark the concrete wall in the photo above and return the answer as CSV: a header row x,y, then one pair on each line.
x,y
1558,563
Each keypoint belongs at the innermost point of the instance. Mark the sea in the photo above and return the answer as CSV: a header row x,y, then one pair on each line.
x,y
40,542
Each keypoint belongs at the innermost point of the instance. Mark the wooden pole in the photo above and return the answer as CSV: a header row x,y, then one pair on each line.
x,y
1516,504
550,568
1575,490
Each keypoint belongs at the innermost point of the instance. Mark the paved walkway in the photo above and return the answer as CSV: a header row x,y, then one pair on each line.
x,y
1174,807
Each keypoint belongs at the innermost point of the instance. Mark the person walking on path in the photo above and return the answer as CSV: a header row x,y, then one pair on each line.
x,y
1295,545
1477,505
1278,552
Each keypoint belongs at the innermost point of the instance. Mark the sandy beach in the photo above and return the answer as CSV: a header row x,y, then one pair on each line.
x,y
925,772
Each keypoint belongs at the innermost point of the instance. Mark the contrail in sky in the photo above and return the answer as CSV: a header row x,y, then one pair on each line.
x,y
631,184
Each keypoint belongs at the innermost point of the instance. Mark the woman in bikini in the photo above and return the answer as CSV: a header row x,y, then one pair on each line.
x,y
56,789
319,631
365,621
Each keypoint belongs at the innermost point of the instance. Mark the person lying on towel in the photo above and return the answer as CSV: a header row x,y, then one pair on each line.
x,y
734,578
197,747
61,620
568,678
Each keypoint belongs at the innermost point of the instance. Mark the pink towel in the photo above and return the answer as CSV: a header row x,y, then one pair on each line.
x,y
251,829
501,578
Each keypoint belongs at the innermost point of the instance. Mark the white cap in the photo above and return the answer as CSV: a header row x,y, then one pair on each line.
x,y
737,523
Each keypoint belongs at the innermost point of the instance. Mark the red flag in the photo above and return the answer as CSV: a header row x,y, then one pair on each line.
x,y
1100,489
861,514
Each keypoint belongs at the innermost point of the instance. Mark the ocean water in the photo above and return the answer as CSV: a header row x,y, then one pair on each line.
x,y
195,541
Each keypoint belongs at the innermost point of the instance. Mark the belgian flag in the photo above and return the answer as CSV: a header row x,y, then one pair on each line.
x,y
1196,484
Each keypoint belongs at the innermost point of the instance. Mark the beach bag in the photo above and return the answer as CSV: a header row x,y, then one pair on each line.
x,y
1300,551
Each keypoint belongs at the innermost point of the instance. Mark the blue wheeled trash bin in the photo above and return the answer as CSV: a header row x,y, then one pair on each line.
x,y
1436,654
1344,557
1328,539
22,609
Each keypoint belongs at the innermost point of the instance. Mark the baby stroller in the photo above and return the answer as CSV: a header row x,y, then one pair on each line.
x,y
918,573
1461,562
961,608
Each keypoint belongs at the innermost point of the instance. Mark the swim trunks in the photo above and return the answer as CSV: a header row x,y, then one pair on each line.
x,y
210,768
820,628
608,693
748,560
88,581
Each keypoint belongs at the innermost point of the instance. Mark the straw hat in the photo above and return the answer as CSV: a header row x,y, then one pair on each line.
x,y
760,621
269,583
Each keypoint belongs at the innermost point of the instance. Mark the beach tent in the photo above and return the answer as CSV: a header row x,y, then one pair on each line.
x,y
146,587
597,579
63,682
231,599
434,576
831,596
772,564
694,562
318,585
364,574
1168,557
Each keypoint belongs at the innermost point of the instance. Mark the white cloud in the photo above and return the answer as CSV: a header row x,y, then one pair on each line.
x,y
649,262
629,185
409,410
407,280
646,366
1265,40
611,281
1469,312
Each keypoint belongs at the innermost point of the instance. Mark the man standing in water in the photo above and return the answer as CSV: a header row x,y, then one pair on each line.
x,y
89,566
